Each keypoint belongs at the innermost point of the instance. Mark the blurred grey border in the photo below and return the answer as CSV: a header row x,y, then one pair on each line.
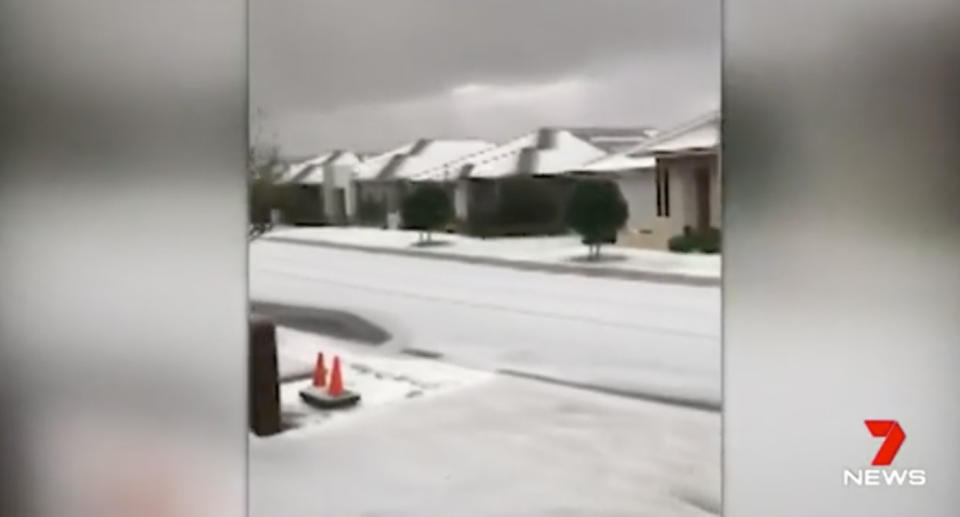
x,y
123,256
121,246
841,272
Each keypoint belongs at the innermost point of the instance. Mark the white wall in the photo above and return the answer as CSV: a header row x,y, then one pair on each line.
x,y
460,199
716,199
641,193
683,193
339,177
640,190
682,182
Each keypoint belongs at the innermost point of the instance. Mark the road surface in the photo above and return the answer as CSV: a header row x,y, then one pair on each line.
x,y
657,340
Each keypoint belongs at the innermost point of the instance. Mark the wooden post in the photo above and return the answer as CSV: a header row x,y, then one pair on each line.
x,y
264,388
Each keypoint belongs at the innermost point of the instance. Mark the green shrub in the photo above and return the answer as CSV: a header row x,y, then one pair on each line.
x,y
706,241
682,244
597,211
428,208
710,240
263,197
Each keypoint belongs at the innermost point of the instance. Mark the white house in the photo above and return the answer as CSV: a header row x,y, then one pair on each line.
x,y
383,179
540,153
544,152
323,187
635,175
670,181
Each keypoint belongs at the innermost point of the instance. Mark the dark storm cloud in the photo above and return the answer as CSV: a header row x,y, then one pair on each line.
x,y
310,60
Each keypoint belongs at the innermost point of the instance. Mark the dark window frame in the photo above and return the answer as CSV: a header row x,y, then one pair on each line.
x,y
663,191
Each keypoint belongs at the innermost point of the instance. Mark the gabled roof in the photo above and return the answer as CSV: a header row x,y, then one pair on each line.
x,y
311,171
428,163
297,168
613,139
620,162
337,159
373,165
421,160
561,152
366,155
454,168
545,151
701,133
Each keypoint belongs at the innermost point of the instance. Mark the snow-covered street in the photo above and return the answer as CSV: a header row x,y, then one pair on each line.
x,y
653,339
478,443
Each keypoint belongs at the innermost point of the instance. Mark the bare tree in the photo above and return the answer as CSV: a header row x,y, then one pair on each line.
x,y
264,168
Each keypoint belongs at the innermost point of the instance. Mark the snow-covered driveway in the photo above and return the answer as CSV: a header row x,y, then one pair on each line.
x,y
656,339
511,447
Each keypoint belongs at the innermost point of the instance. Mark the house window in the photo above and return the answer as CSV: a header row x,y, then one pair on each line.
x,y
657,175
663,192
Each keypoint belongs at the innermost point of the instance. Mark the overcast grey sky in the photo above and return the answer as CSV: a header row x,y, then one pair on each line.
x,y
373,74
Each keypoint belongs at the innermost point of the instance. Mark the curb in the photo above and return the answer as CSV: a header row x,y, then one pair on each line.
x,y
689,403
525,265
323,321
698,404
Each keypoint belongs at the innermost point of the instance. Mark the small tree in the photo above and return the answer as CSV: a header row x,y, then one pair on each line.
x,y
264,165
597,211
262,199
426,209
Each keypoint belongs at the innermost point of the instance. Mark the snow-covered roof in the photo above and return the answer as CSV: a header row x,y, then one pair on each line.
x,y
298,168
503,159
428,163
567,152
705,136
485,156
314,174
311,171
373,165
544,151
366,155
613,139
420,160
558,152
700,133
620,162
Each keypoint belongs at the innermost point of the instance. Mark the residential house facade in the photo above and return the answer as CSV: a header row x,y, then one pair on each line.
x,y
385,179
320,190
670,181
545,154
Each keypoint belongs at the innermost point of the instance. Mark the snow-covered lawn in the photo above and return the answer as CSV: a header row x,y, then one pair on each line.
x,y
561,250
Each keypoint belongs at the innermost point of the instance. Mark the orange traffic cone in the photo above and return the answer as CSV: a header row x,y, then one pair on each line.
x,y
320,372
336,379
334,396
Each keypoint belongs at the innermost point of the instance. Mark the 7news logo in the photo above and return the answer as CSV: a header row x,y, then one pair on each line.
x,y
893,437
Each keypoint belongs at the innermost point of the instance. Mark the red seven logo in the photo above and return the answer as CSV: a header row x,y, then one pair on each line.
x,y
894,438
